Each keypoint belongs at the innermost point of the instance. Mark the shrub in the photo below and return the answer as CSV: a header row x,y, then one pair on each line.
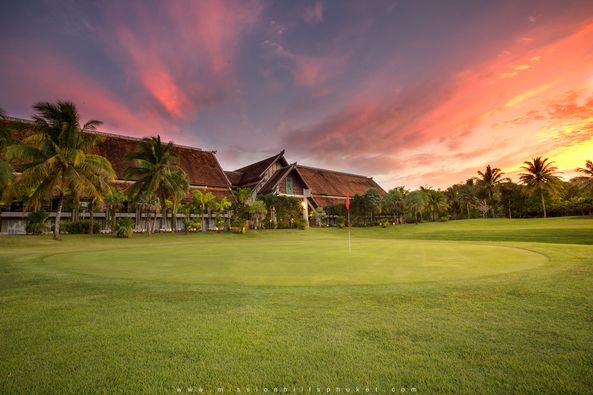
x,y
192,225
124,228
239,225
340,221
80,227
300,223
37,223
444,218
220,222
384,223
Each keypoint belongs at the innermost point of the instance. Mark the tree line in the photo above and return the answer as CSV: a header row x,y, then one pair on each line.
x,y
57,162
540,192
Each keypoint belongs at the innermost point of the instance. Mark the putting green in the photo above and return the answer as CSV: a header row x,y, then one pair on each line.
x,y
299,262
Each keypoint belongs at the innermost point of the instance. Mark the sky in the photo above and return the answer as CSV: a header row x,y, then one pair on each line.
x,y
410,92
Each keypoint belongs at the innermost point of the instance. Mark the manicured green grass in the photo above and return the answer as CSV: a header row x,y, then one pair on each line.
x,y
480,306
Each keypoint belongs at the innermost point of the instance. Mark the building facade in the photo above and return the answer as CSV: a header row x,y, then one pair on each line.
x,y
314,187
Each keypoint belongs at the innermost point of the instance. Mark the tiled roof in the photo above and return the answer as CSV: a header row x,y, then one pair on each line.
x,y
332,183
253,171
202,167
234,177
324,201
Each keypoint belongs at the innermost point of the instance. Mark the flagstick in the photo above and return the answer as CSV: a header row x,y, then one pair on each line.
x,y
349,242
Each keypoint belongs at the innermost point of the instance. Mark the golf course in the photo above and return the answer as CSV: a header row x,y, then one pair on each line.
x,y
470,306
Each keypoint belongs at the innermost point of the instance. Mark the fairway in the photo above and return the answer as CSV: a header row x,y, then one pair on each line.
x,y
325,261
479,306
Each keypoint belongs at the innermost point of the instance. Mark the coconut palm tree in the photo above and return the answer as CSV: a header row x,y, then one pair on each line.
x,y
203,201
6,171
57,161
416,203
489,181
156,172
437,202
395,202
588,172
539,177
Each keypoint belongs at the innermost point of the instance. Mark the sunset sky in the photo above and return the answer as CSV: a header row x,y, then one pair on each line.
x,y
411,92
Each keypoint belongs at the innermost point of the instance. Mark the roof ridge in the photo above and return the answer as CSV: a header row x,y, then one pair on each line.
x,y
259,161
334,171
110,134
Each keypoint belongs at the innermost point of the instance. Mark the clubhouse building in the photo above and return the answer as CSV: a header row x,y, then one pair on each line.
x,y
314,187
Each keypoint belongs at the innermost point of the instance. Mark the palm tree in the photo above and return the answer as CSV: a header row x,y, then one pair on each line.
x,y
395,202
203,201
467,196
539,177
6,171
57,161
490,181
437,202
113,202
416,203
588,172
156,172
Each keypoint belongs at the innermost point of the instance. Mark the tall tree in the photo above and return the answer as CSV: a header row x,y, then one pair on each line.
x,y
6,171
394,201
437,202
467,196
539,177
156,172
416,203
57,161
203,201
372,201
587,171
489,181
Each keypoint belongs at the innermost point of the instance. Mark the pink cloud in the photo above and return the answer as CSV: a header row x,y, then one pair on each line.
x,y
61,80
462,114
314,13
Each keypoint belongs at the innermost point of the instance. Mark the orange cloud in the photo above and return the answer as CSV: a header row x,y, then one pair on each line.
x,y
473,111
61,80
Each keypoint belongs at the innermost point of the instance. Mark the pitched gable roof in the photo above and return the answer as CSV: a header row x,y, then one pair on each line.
x,y
326,184
254,171
202,167
278,176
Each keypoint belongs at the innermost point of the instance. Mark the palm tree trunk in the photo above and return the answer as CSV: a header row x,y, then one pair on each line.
x,y
92,212
203,219
174,217
467,205
510,213
113,220
541,192
58,217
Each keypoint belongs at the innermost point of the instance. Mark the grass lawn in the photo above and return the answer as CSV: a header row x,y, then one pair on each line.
x,y
479,306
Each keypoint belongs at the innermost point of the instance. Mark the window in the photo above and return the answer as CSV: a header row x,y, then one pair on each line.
x,y
289,185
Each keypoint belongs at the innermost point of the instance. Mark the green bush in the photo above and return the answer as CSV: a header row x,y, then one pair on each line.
x,y
37,222
239,225
125,227
192,225
300,223
340,221
385,223
444,218
80,227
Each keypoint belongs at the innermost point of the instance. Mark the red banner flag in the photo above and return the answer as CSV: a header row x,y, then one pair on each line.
x,y
348,201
